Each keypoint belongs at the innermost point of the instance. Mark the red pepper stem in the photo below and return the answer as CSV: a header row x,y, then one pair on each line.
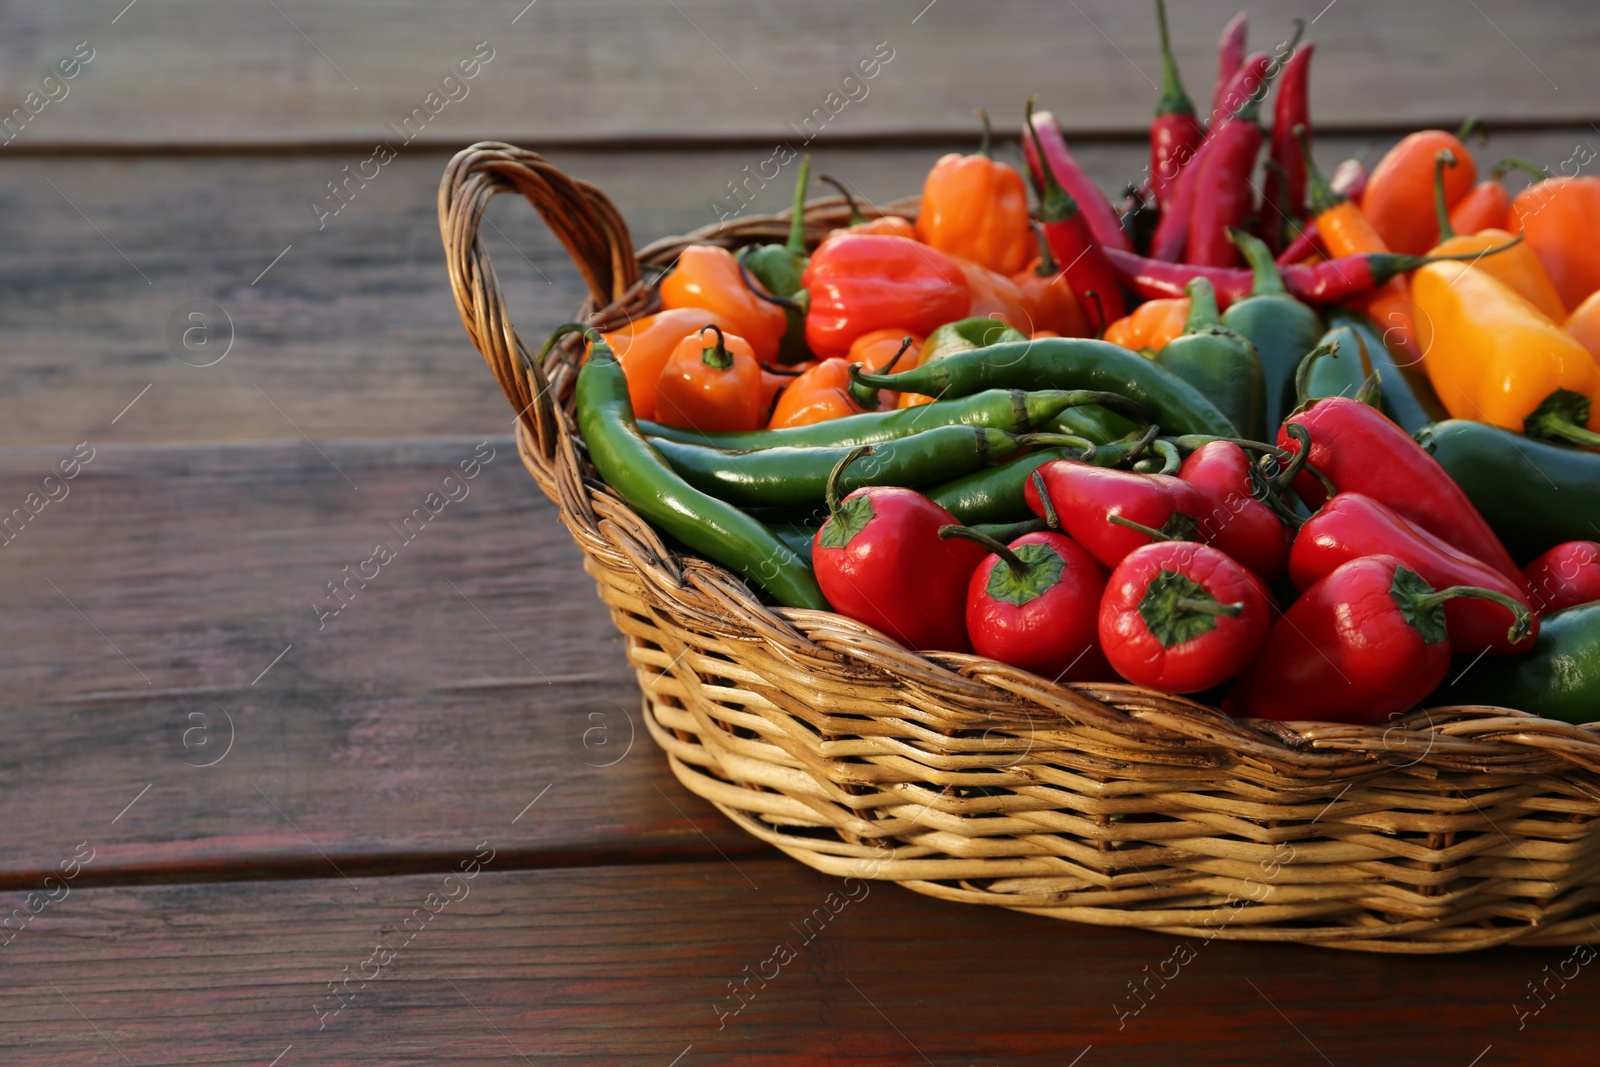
x,y
856,217
1055,203
589,332
1148,531
1302,374
1323,195
1386,265
1051,519
788,303
797,218
836,475
1441,209
988,134
1174,98
1523,617
1511,163
1209,607
1267,278
1017,564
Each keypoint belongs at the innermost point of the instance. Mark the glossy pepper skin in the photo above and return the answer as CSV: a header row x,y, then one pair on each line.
x,y
1042,139
1559,679
1230,57
880,560
1493,357
1036,610
1085,498
1281,328
710,384
1560,216
708,277
976,208
1221,364
996,297
1366,643
1181,618
864,282
1175,132
1406,396
1398,201
826,392
963,335
1361,451
1151,326
1351,526
1048,296
779,269
645,344
1236,521
1284,194
1564,577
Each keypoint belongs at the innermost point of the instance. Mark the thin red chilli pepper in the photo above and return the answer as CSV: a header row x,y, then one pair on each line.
x,y
1284,198
1352,525
1085,266
1032,604
1112,512
1175,132
1181,617
1362,645
1237,522
1565,576
1043,139
1171,236
1230,56
1308,243
880,560
1360,451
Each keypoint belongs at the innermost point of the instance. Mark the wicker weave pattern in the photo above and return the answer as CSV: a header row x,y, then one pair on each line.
x,y
968,780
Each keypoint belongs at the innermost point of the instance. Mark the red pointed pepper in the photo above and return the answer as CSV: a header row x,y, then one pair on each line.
x,y
1352,525
1175,132
859,282
880,560
1032,604
1361,451
1362,645
1181,618
1043,139
1565,576
1236,521
1230,57
1284,198
1306,244
1093,503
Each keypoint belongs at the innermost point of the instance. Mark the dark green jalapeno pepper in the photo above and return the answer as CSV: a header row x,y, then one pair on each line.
x,y
1559,678
1407,397
1281,327
1221,364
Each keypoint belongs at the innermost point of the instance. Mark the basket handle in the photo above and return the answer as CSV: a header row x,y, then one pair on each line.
x,y
578,213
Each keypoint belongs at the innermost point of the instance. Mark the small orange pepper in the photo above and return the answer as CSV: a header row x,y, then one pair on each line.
x,y
710,387
976,208
1399,194
1517,266
644,345
826,392
1049,299
1488,205
994,296
774,380
1584,324
1151,325
882,225
706,276
1561,217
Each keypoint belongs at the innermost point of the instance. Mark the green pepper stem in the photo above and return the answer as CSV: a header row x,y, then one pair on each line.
x,y
1302,373
1441,209
797,218
1048,267
1100,313
1174,98
1051,519
988,133
856,217
788,303
1386,265
1324,196
1473,126
1511,163
1203,313
1267,277
831,492
1209,606
1143,442
1191,442
1371,391
1523,618
1017,564
1055,203
1558,428
1060,440
1170,458
717,357
1298,459
866,396
1150,532
593,335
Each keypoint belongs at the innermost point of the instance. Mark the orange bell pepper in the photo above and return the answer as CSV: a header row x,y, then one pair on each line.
x,y
826,392
710,387
976,208
1048,298
1561,217
706,276
1584,324
644,345
1151,325
882,225
1493,357
1518,266
1399,194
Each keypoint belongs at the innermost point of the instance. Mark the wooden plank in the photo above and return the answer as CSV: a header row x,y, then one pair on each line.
x,y
169,689
352,333
192,73
636,965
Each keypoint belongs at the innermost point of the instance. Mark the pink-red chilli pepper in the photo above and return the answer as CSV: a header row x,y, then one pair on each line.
x,y
1043,139
1175,132
1361,451
1284,198
1181,618
1093,504
1352,525
1308,243
1565,576
1236,521
1230,56
1362,645
1350,179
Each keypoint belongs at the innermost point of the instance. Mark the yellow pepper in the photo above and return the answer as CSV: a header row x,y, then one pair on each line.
x,y
1494,357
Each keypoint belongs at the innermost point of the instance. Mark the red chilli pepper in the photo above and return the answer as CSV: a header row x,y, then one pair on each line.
x,y
1175,132
1112,512
1230,56
880,560
1043,139
1352,525
1073,243
1361,451
1237,522
1032,604
1565,576
1284,198
1181,618
1362,645
1308,243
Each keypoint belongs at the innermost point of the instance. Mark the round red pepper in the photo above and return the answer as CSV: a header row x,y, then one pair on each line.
x,y
860,282
1032,604
1565,576
880,560
1362,645
1088,500
1181,618
1237,522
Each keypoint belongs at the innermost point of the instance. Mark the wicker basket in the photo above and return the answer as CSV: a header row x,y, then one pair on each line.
x,y
968,780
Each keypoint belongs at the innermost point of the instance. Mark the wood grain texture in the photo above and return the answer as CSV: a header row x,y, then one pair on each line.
x,y
193,73
352,333
630,965
146,613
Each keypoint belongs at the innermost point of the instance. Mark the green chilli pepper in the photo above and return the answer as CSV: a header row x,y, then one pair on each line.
x,y
1066,363
1534,494
779,269
1558,678
1281,327
1218,362
966,335
1339,365
1408,397
640,476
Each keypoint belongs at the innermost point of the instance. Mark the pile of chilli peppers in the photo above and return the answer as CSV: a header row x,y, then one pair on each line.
x,y
1327,452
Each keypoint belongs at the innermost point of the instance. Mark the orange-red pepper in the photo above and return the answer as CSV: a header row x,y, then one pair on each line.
x,y
976,208
826,391
1517,266
1049,299
1488,205
1151,325
1561,217
857,283
645,344
710,387
1399,197
1584,324
706,276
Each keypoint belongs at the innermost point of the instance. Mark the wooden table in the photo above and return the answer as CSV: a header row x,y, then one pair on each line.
x,y
429,829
